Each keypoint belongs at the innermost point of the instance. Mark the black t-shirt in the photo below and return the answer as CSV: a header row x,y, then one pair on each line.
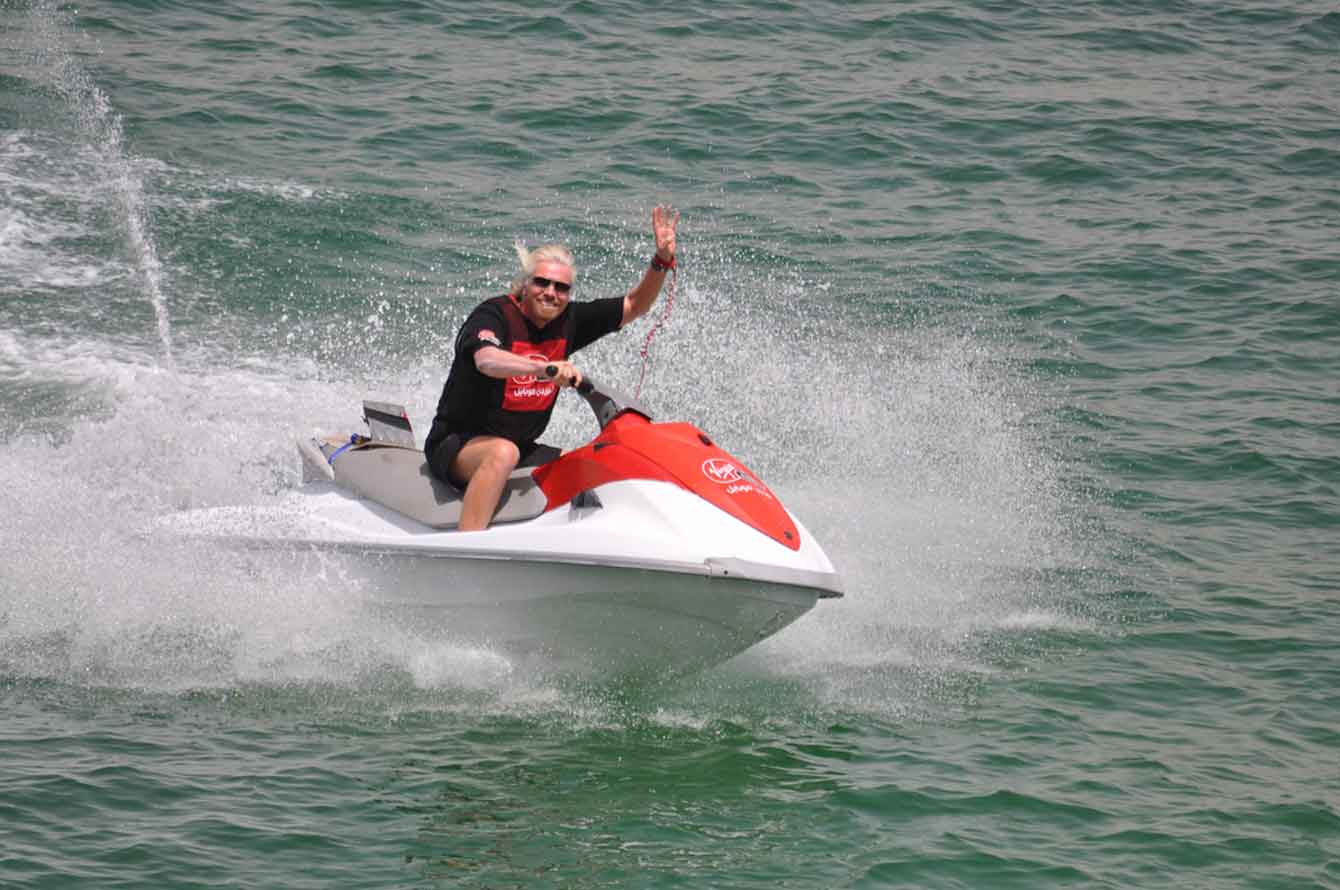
x,y
517,408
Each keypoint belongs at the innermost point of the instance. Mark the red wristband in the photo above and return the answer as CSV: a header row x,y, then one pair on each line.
x,y
661,265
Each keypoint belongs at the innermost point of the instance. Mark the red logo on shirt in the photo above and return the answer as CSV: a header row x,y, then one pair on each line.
x,y
527,379
526,392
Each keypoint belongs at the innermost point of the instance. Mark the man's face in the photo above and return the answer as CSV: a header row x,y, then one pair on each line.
x,y
545,294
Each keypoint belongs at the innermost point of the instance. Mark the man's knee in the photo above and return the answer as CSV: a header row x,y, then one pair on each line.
x,y
493,456
502,456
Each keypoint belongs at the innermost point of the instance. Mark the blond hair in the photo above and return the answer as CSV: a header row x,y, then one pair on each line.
x,y
554,253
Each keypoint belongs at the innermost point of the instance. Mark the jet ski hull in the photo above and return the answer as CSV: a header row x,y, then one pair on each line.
x,y
652,583
649,552
603,622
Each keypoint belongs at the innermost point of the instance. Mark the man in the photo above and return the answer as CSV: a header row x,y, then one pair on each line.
x,y
511,358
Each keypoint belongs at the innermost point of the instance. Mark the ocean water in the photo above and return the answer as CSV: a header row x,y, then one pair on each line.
x,y
1031,312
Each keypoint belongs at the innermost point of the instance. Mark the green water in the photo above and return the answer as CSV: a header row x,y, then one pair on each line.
x,y
1029,311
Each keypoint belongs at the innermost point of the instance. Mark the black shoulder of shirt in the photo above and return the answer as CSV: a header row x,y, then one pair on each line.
x,y
487,316
595,319
603,311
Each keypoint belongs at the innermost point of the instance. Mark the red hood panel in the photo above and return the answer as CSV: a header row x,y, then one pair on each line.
x,y
631,447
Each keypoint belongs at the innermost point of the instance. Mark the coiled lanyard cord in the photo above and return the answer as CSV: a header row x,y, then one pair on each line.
x,y
651,334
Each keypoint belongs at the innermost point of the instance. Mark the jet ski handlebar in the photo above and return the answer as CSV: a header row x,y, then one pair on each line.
x,y
608,402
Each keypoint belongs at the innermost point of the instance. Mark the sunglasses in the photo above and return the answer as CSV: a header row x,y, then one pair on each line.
x,y
543,283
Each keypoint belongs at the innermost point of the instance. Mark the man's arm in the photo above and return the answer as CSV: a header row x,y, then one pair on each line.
x,y
639,300
494,362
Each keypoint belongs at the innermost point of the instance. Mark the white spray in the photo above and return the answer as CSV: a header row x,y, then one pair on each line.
x,y
52,31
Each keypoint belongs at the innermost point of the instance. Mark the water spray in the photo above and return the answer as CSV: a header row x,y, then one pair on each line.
x,y
101,125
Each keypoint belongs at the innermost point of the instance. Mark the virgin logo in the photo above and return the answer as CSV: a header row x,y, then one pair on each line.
x,y
528,379
722,471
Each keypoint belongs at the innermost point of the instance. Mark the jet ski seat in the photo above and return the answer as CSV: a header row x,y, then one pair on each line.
x,y
389,468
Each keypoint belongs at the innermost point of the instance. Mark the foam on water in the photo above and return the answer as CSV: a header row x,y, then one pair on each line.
x,y
89,593
23,242
44,219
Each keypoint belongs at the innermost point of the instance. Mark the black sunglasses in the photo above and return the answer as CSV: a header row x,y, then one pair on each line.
x,y
541,282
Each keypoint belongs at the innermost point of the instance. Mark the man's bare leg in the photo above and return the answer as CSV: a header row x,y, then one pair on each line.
x,y
485,463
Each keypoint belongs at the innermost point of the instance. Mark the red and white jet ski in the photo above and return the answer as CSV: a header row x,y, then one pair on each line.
x,y
648,551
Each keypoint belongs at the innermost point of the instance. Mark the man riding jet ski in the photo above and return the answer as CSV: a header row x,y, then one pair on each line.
x,y
511,358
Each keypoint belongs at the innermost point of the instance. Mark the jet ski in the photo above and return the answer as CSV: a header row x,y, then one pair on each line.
x,y
647,552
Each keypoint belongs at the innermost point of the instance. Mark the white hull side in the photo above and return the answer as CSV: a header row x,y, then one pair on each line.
x,y
656,581
609,623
